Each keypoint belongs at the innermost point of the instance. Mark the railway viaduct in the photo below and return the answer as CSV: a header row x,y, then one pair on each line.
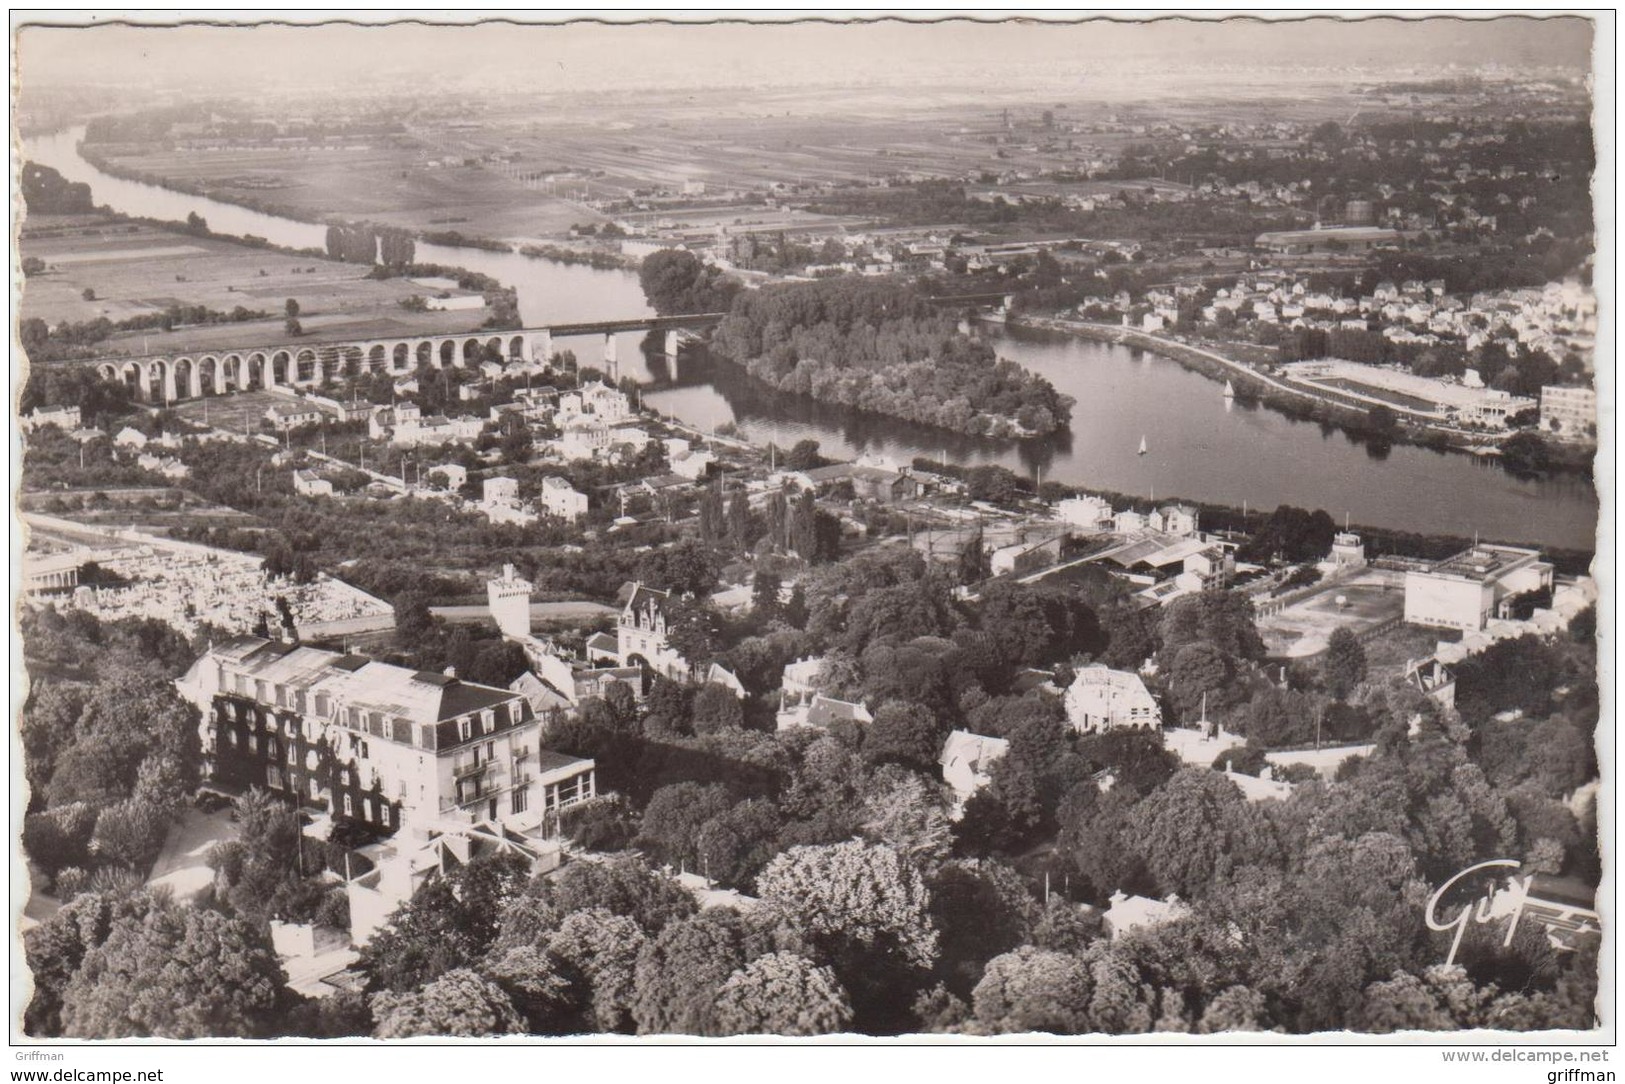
x,y
192,374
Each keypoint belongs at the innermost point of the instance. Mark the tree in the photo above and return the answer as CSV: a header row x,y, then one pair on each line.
x,y
1098,837
904,733
56,948
622,886
1015,616
742,524
1526,452
1343,668
677,281
1277,718
131,834
176,972
898,613
1441,999
88,294
341,1015
860,893
681,969
1136,758
686,567
1190,831
712,516
261,871
46,192
459,1003
766,605
1031,989
902,811
60,838
601,950
803,456
540,985
782,994
1221,618
735,845
1292,534
981,908
674,816
1236,1008
290,308
716,708
1201,673
448,923
863,909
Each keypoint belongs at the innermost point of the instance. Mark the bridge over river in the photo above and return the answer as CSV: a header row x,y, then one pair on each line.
x,y
192,374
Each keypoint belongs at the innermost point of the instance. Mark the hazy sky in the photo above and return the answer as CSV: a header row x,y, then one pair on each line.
x,y
590,56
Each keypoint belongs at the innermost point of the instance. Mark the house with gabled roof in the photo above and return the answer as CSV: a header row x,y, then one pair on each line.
x,y
641,634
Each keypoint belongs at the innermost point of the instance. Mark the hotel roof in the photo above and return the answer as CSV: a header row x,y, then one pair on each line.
x,y
422,696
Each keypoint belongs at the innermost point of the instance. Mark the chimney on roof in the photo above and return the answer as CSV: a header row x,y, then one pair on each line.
x,y
450,671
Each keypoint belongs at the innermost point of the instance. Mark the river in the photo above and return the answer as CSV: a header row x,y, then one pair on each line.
x,y
1199,445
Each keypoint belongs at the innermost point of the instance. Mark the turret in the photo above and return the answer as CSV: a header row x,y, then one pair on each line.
x,y
509,599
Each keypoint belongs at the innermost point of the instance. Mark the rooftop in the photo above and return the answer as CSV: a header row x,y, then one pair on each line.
x,y
1484,562
359,682
977,750
824,711
837,471
1339,233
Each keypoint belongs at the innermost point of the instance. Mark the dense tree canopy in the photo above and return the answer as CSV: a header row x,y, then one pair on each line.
x,y
882,348
176,972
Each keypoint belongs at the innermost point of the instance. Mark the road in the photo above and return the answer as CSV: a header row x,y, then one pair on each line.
x,y
539,611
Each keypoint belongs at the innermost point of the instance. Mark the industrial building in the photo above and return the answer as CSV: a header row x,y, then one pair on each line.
x,y
1348,238
1465,591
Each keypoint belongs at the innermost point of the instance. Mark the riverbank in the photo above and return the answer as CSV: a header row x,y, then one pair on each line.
x,y
446,238
998,428
597,260
1228,519
1344,413
265,207
1290,399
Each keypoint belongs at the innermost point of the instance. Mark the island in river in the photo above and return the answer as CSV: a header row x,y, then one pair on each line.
x,y
884,349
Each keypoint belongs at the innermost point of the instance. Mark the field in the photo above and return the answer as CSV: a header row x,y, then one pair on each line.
x,y
155,511
530,169
385,184
1399,399
1302,629
239,412
1386,655
135,270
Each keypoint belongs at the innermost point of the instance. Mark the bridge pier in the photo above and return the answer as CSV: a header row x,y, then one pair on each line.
x,y
671,343
541,346
610,365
